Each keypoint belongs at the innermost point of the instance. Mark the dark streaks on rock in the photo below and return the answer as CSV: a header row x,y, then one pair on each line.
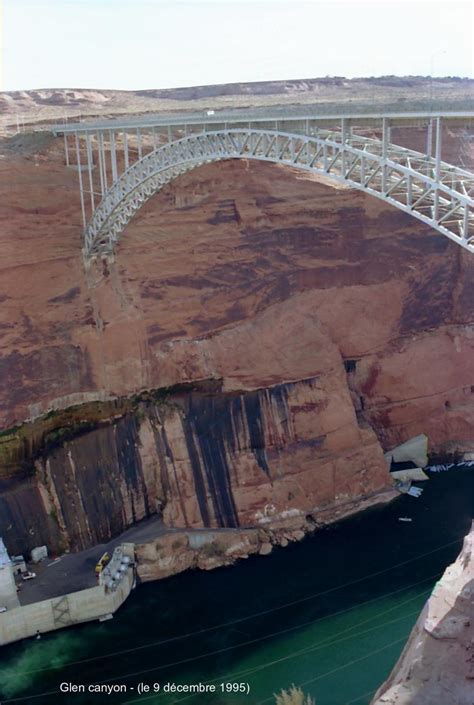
x,y
67,297
22,523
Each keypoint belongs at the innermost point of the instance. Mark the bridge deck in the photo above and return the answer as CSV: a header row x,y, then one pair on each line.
x,y
244,116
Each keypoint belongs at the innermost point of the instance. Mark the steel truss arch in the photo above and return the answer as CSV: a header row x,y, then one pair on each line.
x,y
434,192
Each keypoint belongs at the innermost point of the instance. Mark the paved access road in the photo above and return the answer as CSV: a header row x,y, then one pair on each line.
x,y
75,571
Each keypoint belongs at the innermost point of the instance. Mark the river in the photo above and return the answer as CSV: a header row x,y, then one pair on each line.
x,y
331,613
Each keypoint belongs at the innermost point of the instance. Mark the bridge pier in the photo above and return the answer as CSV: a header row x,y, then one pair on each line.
x,y
438,136
125,150
113,155
139,143
102,166
437,173
385,143
89,169
66,148
81,187
429,139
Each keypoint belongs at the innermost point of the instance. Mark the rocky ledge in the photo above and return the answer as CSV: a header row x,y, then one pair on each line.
x,y
437,664
182,549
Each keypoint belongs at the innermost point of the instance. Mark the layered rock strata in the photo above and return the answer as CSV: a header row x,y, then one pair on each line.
x,y
200,459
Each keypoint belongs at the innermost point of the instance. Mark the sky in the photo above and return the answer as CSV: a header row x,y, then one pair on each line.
x,y
139,44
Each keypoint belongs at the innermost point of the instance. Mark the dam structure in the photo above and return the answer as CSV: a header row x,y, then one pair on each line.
x,y
51,606
122,163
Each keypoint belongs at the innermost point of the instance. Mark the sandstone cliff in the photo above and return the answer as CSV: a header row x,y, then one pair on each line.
x,y
298,329
200,459
437,664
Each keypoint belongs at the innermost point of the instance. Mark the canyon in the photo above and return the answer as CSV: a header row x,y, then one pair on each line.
x,y
258,341
240,366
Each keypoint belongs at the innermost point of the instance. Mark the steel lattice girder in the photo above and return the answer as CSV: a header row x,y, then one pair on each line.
x,y
403,178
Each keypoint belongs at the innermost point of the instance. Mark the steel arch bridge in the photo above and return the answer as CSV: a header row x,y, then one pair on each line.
x,y
435,192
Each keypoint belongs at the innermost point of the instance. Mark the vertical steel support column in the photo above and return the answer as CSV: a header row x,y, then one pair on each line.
x,y
125,150
89,169
113,155
66,149
81,187
385,137
429,140
102,161
144,143
344,130
385,143
437,166
154,138
101,165
139,143
438,149
344,133
170,136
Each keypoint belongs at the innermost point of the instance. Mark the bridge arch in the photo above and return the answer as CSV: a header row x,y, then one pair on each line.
x,y
434,194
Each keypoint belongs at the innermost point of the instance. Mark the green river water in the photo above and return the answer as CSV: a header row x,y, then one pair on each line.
x,y
331,613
